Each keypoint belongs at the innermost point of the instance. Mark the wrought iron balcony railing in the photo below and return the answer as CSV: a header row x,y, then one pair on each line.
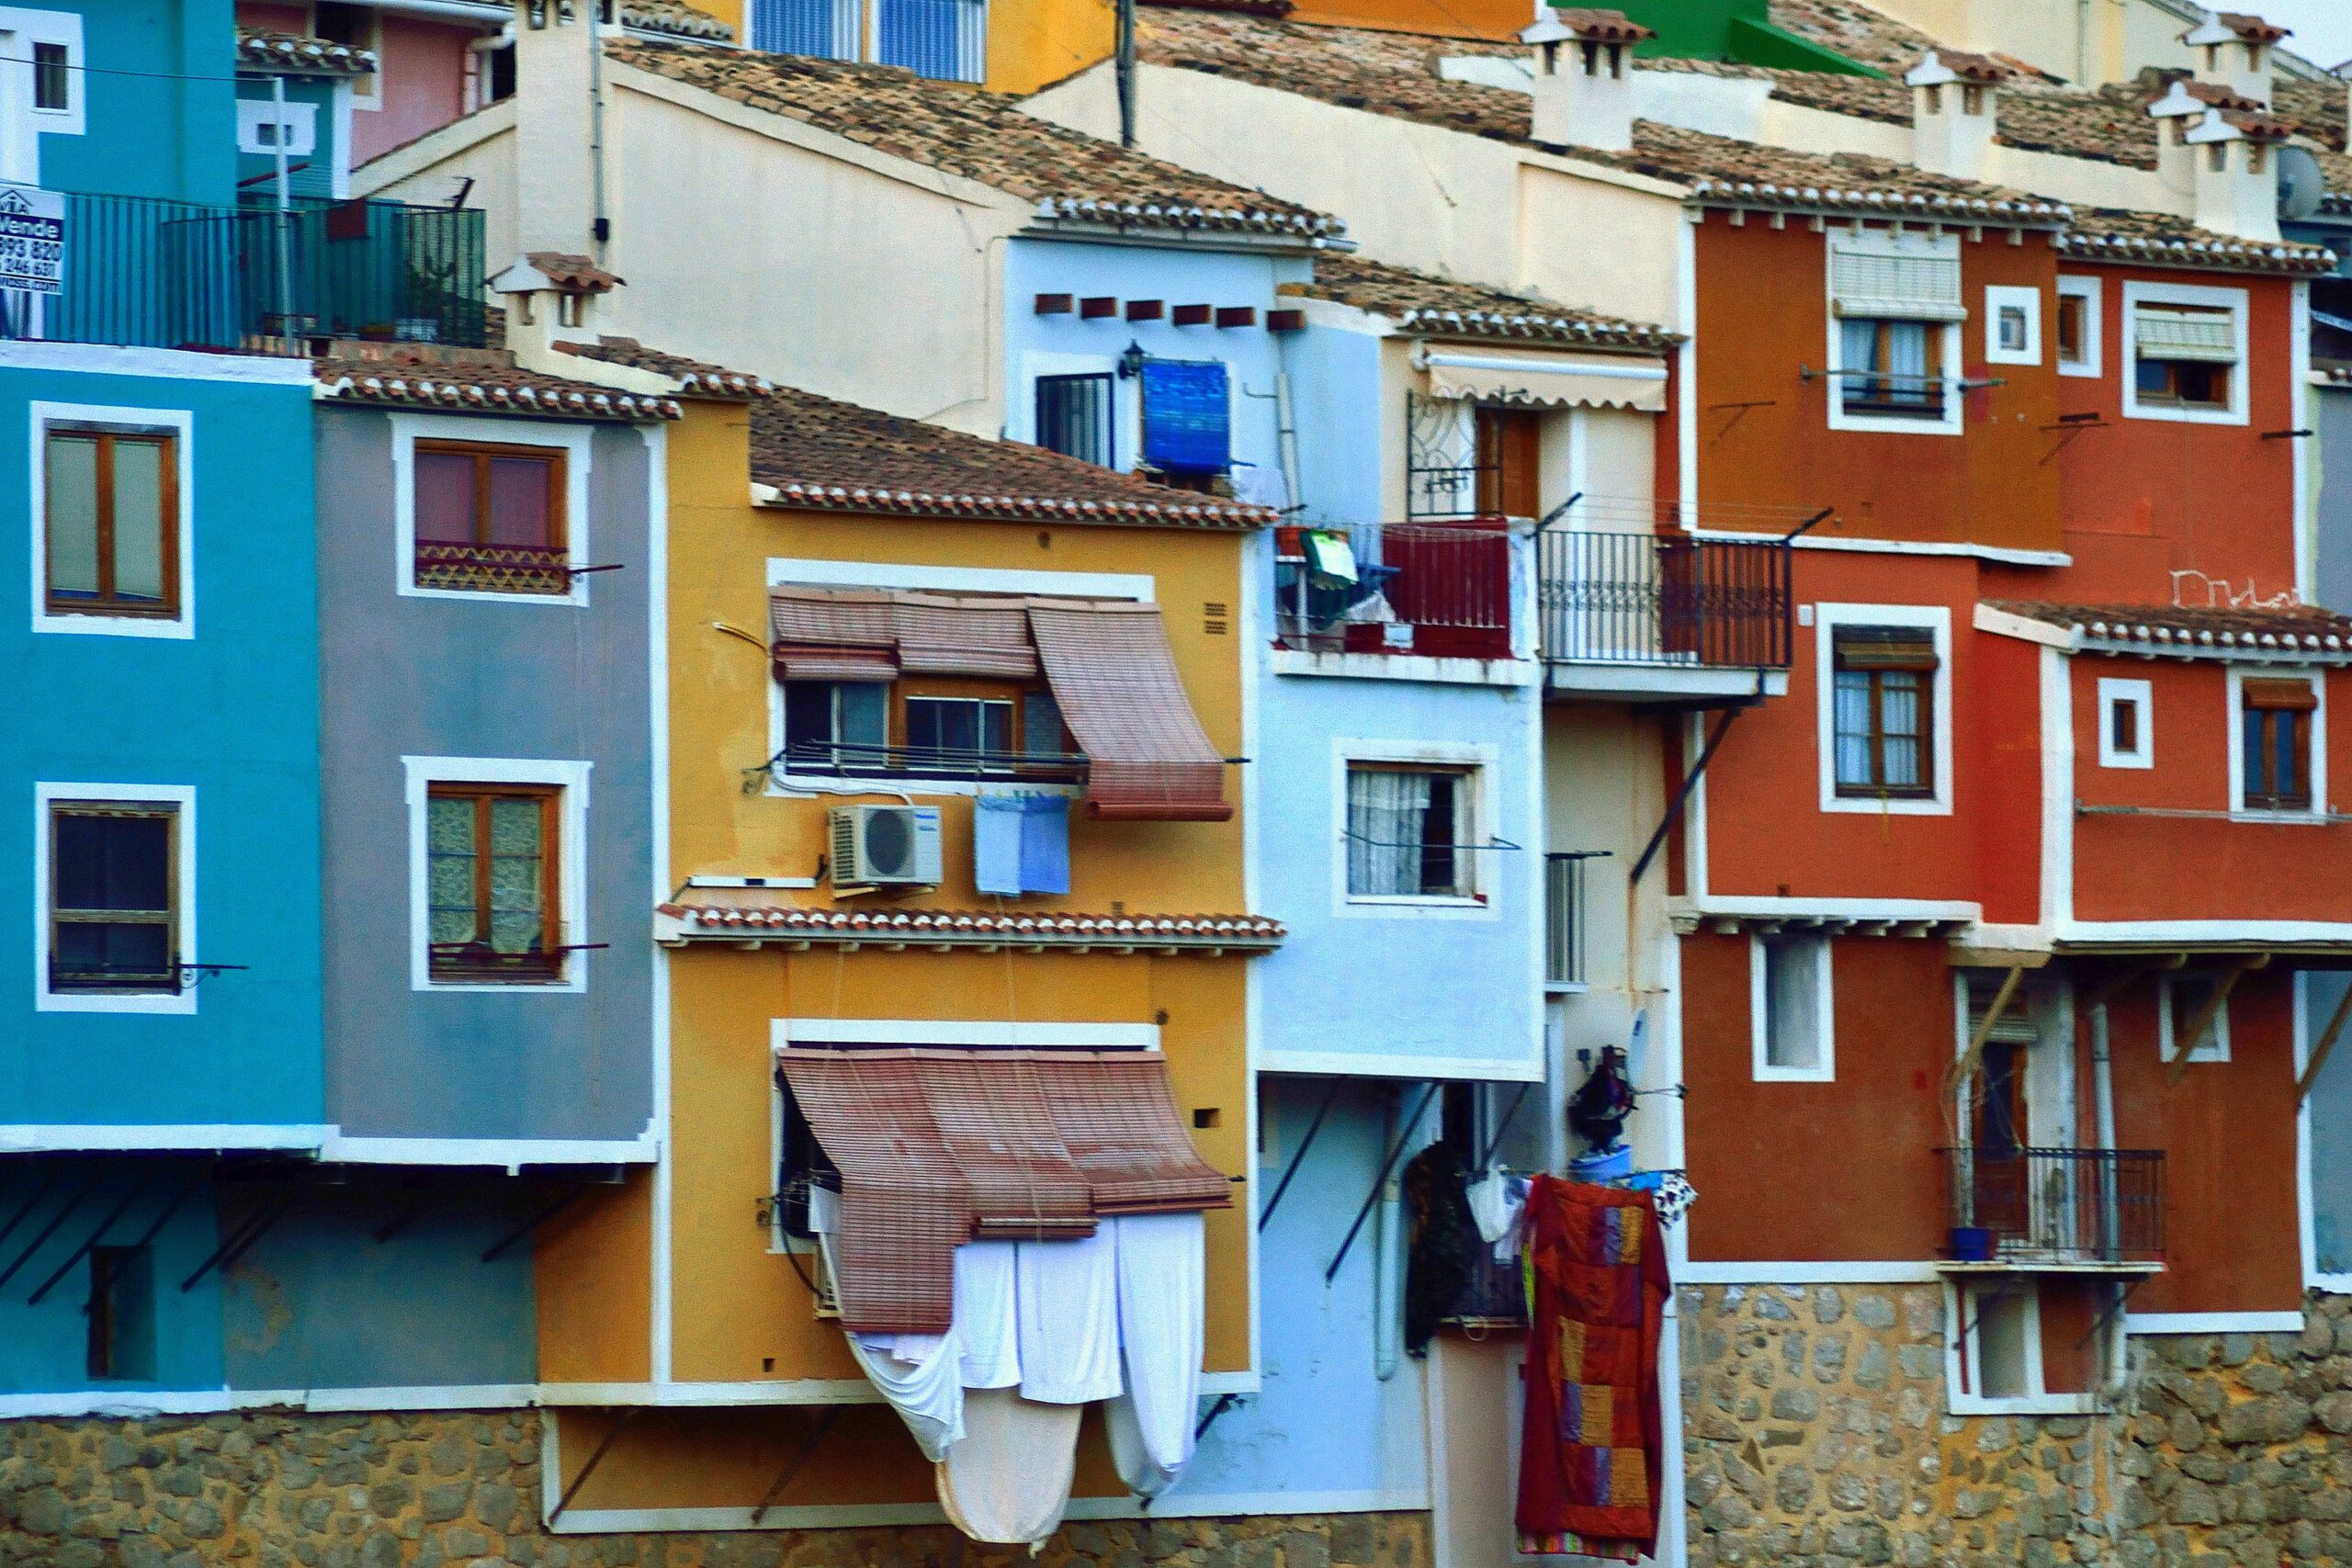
x,y
2055,1206
1664,599
140,272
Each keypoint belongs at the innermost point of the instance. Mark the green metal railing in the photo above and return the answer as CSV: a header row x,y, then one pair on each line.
x,y
258,280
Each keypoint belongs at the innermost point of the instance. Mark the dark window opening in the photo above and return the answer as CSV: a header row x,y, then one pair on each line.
x,y
803,1164
1074,417
122,1313
2275,756
1892,368
52,77
2189,383
113,921
2074,343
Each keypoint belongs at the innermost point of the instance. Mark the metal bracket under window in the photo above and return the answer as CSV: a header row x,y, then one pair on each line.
x,y
1964,384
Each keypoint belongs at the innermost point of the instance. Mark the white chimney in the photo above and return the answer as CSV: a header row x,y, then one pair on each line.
x,y
550,299
2236,179
1584,77
1955,101
2234,51
2176,113
555,184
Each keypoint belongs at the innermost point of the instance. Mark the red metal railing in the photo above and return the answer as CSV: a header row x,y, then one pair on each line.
x,y
1439,590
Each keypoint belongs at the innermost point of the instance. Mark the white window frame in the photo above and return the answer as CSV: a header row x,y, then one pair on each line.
x,y
181,798
1827,619
576,442
1478,764
2113,692
421,774
1126,401
1760,1012
178,423
20,28
301,121
1947,359
2094,360
1961,1320
2239,811
2136,294
2000,296
2175,1014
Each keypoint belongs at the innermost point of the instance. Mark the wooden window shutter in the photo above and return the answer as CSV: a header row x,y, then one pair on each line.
x,y
2281,694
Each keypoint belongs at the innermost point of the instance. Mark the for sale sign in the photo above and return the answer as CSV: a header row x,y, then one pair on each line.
x,y
32,239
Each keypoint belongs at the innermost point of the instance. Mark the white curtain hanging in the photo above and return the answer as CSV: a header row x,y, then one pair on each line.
x,y
1387,813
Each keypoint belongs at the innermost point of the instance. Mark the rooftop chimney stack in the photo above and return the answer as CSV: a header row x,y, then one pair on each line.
x,y
2234,152
2235,52
1584,77
1955,105
555,183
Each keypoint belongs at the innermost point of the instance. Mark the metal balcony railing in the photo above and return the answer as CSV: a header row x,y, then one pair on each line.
x,y
1564,916
1440,589
145,273
495,568
1664,599
853,759
2035,1205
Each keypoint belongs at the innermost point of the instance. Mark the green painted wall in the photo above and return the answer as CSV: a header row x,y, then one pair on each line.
x,y
1739,30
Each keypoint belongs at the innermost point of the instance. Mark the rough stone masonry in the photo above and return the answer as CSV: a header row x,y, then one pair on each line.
x,y
461,1490
1818,1435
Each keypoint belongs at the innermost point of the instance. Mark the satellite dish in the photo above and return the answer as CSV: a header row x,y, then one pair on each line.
x,y
2302,186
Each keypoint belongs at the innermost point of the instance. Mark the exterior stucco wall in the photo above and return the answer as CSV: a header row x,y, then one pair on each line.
x,y
483,678
158,116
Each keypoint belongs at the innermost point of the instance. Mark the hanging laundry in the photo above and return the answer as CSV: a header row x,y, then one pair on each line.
x,y
997,821
1591,1443
1490,1205
1067,1307
1162,1329
1329,557
987,1328
1044,843
1007,1481
1261,484
917,1374
1437,1263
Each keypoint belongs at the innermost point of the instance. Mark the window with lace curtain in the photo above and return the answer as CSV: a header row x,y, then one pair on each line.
x,y
1410,832
1885,707
490,878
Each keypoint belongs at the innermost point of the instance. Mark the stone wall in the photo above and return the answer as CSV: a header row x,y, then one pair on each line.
x,y
1817,1430
443,1490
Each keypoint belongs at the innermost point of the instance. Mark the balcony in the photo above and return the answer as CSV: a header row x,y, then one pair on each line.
x,y
139,272
1436,590
2055,1209
1665,603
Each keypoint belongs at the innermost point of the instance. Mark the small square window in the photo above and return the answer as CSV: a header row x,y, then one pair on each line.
x,y
2126,721
490,519
113,533
1790,1012
2010,324
2079,326
2013,324
52,77
2181,1001
1409,832
1075,416
491,859
113,898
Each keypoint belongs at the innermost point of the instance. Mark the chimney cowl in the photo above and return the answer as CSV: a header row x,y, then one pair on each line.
x,y
1583,77
1955,108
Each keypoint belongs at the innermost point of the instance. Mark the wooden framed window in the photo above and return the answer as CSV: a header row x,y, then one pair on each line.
x,y
1509,462
490,519
1410,832
2074,345
1885,707
1891,368
113,896
492,858
2184,356
2275,744
112,524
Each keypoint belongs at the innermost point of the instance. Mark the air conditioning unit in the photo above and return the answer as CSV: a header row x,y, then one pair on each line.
x,y
885,846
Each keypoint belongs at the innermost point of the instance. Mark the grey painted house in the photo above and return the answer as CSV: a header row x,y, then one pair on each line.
x,y
487,748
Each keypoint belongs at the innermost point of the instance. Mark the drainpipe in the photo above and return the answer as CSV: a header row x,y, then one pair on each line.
x,y
1388,1263
603,228
1287,434
1126,72
2110,1212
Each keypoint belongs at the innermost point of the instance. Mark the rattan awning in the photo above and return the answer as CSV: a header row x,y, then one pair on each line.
x,y
938,1147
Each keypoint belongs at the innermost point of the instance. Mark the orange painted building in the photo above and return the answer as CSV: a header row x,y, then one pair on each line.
x,y
1999,915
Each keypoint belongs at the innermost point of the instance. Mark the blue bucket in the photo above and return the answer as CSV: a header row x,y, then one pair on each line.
x,y
1604,1165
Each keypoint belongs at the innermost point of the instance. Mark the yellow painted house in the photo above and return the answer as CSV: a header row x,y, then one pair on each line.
x,y
1007,46
879,631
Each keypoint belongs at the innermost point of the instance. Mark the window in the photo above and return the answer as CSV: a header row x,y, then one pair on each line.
x,y
112,529
121,1315
1789,1017
958,730
1884,703
2126,735
1075,415
491,873
2187,348
2181,1001
1410,832
841,726
2079,326
264,127
113,898
1891,367
2012,325
2276,719
2007,1327
490,519
1509,462
986,730
52,77
2022,1345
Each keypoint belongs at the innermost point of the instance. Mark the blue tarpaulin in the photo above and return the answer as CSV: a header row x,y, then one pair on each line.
x,y
1187,417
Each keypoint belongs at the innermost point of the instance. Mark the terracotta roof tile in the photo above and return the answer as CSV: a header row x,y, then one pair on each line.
x,y
2253,30
297,51
1437,307
821,454
1980,68
1396,75
675,18
2100,234
574,275
474,381
1602,26
1862,34
2290,633
737,914
694,378
980,136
